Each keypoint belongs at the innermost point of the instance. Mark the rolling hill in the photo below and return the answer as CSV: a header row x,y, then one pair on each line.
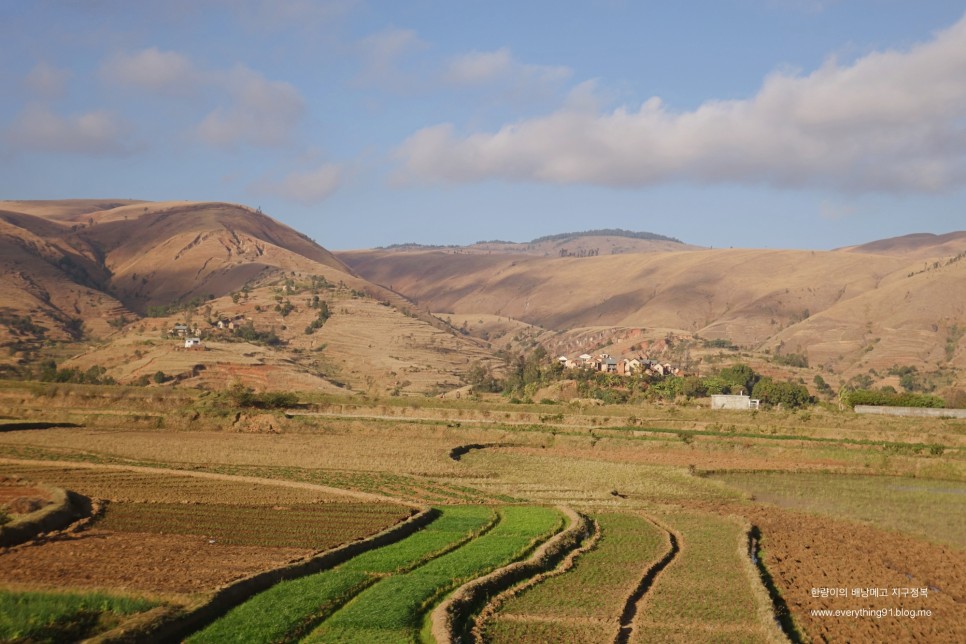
x,y
101,283
891,302
111,278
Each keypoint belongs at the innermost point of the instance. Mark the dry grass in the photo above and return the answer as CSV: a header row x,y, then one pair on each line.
x,y
600,459
931,510
141,487
756,298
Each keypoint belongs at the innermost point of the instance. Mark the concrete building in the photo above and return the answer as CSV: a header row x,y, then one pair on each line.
x,y
733,402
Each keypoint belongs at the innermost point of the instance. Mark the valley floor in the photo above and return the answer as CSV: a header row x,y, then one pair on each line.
x,y
700,525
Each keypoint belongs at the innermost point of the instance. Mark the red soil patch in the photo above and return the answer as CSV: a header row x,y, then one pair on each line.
x,y
12,492
137,562
804,552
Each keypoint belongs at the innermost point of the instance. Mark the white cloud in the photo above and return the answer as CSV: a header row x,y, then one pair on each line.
x,y
47,81
251,109
487,67
890,121
382,53
262,112
162,72
310,187
97,133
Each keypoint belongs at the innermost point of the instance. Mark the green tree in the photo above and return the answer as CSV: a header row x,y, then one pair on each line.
x,y
787,394
741,376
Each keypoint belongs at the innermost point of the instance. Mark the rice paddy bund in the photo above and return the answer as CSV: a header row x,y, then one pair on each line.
x,y
355,525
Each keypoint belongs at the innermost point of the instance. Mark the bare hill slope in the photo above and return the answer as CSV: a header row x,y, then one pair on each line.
x,y
850,310
90,268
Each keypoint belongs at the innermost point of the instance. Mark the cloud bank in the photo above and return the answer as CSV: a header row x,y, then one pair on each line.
x,y
890,121
252,109
309,188
97,133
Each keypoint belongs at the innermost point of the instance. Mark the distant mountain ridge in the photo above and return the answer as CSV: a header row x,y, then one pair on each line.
x,y
605,232
588,243
851,310
558,237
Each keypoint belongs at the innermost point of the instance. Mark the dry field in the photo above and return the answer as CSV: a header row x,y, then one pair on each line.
x,y
830,500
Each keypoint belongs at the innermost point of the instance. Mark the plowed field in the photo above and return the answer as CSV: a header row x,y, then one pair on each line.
x,y
804,552
136,562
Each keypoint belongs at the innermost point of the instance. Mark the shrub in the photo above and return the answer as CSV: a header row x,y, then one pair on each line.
x,y
882,398
792,360
243,396
787,394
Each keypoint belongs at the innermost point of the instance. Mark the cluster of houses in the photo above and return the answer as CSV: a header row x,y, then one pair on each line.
x,y
191,336
630,366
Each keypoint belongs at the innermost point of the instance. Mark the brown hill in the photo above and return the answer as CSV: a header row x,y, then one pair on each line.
x,y
919,245
848,310
93,267
583,244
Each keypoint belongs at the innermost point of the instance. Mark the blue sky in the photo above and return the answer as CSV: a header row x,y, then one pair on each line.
x,y
746,123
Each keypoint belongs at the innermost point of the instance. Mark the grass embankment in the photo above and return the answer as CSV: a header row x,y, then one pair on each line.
x,y
60,617
933,510
288,610
585,604
705,594
395,608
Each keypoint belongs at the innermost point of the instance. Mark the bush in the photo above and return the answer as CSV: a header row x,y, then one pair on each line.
x,y
792,360
243,396
886,399
787,394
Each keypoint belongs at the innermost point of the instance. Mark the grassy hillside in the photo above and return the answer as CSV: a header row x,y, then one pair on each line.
x,y
112,278
848,310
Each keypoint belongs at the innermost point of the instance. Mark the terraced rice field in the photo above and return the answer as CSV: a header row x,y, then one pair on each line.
x,y
152,487
933,510
706,593
316,527
190,511
59,616
291,609
394,609
584,604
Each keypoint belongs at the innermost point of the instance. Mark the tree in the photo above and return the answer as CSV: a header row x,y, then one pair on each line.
x,y
482,380
787,394
741,376
822,386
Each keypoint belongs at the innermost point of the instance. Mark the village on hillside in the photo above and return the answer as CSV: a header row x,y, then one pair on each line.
x,y
628,366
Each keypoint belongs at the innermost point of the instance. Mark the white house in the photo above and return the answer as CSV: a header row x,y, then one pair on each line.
x,y
192,343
